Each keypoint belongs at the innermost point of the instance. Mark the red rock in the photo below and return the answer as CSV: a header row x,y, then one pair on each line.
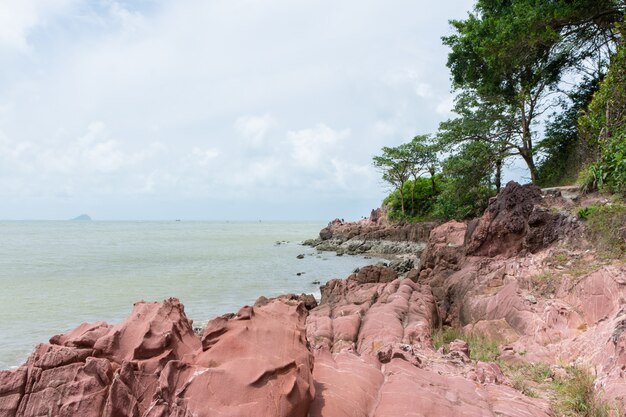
x,y
376,227
373,274
152,364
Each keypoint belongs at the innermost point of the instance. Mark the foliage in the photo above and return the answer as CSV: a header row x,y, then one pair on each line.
x,y
481,348
511,63
604,129
577,396
467,183
419,207
395,166
585,212
606,226
517,52
408,160
561,148
492,125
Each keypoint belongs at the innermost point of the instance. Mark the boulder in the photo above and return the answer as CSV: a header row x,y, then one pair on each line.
x,y
153,365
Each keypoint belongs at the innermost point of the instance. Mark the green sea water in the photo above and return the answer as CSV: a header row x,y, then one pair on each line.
x,y
56,275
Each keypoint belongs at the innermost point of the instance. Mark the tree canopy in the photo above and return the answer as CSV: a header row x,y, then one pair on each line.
x,y
538,79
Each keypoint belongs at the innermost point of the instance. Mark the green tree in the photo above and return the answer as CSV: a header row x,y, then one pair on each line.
x,y
395,165
493,124
423,157
562,153
467,182
603,127
518,50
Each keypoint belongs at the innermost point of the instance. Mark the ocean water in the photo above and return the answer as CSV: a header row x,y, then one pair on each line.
x,y
56,275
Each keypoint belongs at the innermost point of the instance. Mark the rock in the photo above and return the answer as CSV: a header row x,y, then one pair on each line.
x,y
515,221
308,300
372,235
373,274
401,265
301,256
152,365
459,346
374,357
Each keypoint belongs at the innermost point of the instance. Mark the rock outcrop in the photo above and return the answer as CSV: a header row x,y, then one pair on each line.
x,y
519,275
516,221
375,235
153,365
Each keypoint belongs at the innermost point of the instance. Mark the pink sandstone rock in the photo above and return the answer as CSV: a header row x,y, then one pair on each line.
x,y
376,227
153,365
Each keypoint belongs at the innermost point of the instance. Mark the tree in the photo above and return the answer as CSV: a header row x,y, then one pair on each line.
x,y
467,179
562,152
517,51
423,151
493,124
396,167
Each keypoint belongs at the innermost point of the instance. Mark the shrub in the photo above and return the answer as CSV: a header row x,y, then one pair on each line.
x,y
606,227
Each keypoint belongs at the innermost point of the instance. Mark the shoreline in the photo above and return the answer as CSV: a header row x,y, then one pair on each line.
x,y
376,343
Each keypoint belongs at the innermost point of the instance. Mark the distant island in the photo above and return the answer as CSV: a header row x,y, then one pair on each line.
x,y
82,217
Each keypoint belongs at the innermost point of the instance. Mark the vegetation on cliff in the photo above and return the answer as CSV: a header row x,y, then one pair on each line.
x,y
540,80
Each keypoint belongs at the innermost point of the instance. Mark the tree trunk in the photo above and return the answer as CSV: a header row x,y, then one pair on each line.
x,y
498,179
527,151
413,194
402,198
534,173
432,173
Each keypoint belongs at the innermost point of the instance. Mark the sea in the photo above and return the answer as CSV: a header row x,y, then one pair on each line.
x,y
55,275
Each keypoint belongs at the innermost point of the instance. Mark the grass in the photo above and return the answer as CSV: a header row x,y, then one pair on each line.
x,y
545,283
526,377
605,225
481,348
577,397
571,395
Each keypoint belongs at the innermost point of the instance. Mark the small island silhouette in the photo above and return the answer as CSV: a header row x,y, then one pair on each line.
x,y
82,217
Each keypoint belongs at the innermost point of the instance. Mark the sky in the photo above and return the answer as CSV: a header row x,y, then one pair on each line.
x,y
213,109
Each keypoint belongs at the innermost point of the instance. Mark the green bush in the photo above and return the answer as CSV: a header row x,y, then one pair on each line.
x,y
419,198
603,127
585,212
458,203
605,226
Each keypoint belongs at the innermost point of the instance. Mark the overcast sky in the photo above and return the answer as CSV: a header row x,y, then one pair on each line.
x,y
212,109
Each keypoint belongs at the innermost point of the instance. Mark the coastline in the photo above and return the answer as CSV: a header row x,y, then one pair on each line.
x,y
371,345
86,272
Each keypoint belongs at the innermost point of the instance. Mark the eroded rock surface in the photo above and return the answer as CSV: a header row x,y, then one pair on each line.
x,y
374,357
374,235
153,365
518,277
515,221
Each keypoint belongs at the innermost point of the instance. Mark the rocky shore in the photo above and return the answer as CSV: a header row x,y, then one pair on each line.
x,y
401,243
367,348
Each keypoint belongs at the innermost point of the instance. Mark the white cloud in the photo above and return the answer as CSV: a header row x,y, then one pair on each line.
x,y
207,98
255,128
19,17
204,156
309,146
